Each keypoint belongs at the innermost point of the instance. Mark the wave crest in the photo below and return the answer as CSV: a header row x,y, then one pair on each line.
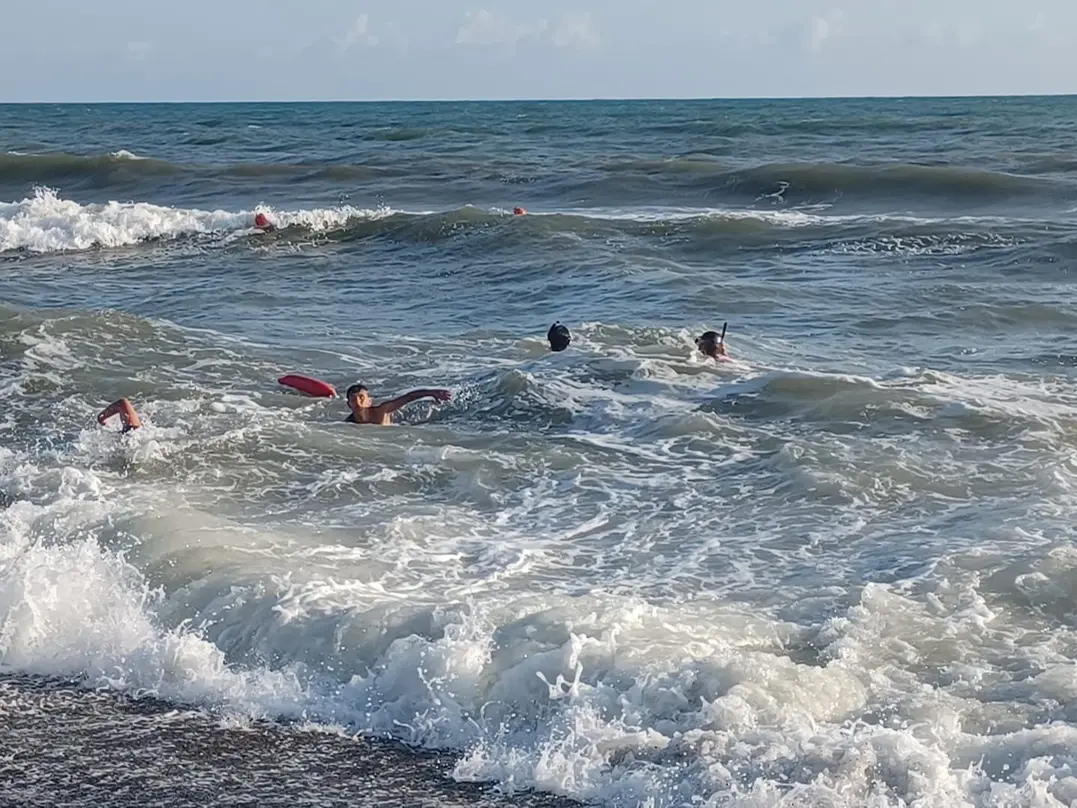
x,y
45,223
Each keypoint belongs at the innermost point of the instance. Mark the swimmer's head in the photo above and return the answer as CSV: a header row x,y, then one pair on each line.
x,y
559,337
357,396
710,344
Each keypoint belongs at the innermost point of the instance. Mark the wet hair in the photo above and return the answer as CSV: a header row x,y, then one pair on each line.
x,y
707,342
558,337
354,390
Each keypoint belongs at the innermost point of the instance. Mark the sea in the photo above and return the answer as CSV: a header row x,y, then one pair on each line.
x,y
838,570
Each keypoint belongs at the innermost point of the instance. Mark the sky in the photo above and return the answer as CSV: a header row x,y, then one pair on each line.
x,y
261,50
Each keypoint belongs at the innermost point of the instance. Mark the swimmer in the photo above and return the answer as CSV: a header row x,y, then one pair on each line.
x,y
261,221
558,337
365,411
518,211
123,408
711,344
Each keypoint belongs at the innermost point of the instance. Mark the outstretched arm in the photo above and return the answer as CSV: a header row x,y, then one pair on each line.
x,y
125,410
391,406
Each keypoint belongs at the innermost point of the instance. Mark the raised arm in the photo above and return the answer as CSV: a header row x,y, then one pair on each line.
x,y
391,406
125,410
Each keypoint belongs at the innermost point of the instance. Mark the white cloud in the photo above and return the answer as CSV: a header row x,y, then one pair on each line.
x,y
485,28
818,34
574,30
948,35
358,34
822,30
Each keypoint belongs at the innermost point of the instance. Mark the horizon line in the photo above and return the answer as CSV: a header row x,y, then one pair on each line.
x,y
562,100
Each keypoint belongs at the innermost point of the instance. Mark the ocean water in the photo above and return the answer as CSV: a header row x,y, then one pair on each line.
x,y
838,571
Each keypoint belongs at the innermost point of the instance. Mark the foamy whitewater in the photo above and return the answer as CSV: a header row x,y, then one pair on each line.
x,y
837,571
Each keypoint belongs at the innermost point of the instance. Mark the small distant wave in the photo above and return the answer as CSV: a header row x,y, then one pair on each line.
x,y
804,183
124,168
117,168
1048,163
396,134
301,171
820,178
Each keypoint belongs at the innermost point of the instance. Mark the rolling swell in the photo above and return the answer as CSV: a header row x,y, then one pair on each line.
x,y
806,183
124,169
924,403
46,223
101,170
696,175
901,180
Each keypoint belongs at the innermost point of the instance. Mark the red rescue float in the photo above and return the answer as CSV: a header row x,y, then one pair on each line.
x,y
308,385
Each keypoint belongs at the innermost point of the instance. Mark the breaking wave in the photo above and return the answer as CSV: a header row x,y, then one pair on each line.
x,y
47,223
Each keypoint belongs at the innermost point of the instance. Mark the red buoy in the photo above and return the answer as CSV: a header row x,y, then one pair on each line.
x,y
308,385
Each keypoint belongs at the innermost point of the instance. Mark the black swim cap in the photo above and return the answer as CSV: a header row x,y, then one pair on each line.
x,y
354,390
558,337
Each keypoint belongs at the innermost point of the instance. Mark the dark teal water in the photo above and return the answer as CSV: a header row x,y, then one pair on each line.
x,y
837,571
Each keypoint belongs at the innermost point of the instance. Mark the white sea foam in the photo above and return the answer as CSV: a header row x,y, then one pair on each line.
x,y
626,616
786,218
596,697
821,216
46,223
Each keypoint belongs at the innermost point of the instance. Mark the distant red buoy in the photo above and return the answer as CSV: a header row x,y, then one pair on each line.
x,y
518,211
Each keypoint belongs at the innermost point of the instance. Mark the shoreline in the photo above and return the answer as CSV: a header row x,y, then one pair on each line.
x,y
63,744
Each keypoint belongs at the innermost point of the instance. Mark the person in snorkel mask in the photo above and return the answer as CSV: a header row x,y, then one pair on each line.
x,y
712,344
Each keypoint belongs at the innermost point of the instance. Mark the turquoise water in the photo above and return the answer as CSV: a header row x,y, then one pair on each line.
x,y
837,571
